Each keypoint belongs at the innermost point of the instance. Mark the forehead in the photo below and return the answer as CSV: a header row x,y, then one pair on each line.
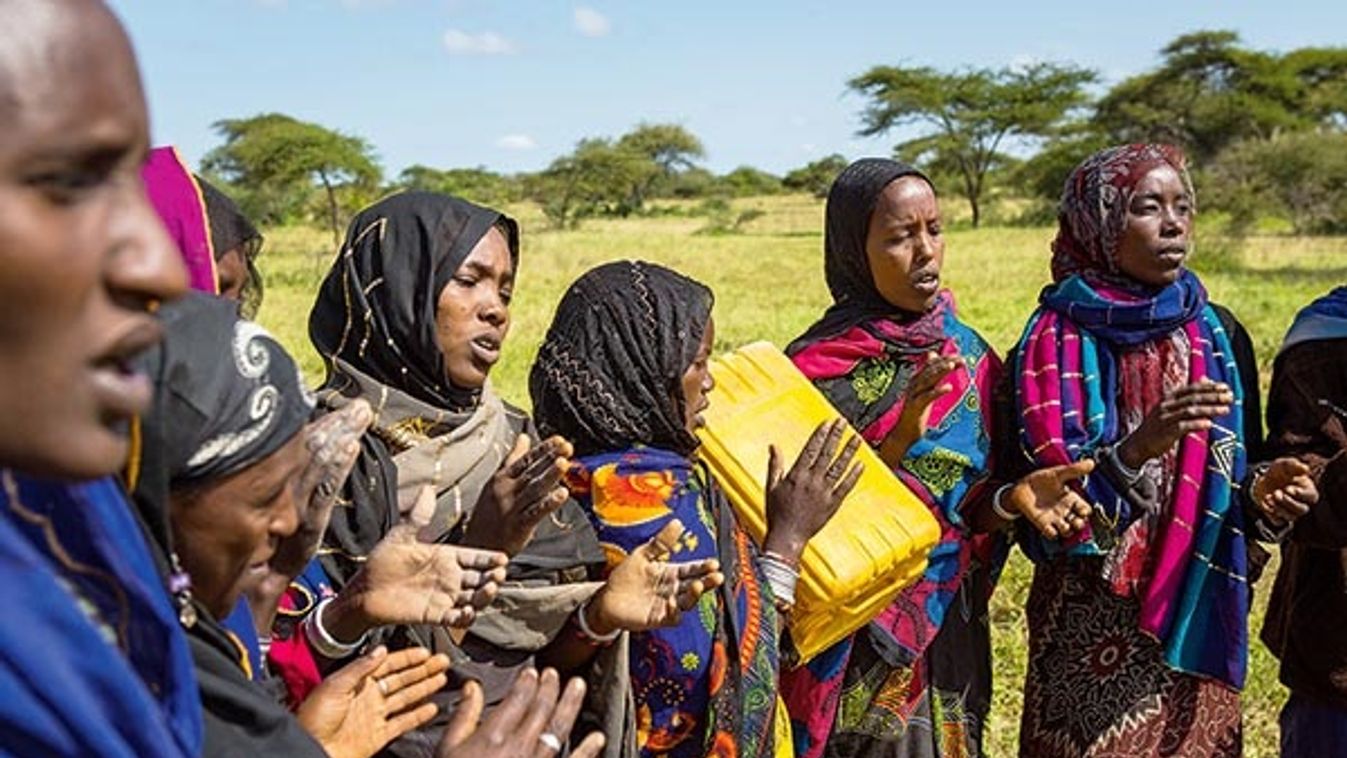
x,y
67,78
904,197
492,253
1161,179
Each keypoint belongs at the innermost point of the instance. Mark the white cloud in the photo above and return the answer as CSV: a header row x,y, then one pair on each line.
x,y
591,23
459,42
516,142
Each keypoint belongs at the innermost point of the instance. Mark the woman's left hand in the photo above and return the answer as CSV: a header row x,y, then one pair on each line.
x,y
646,591
373,700
1285,491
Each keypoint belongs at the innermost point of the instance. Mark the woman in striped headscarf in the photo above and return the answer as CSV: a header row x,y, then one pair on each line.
x,y
1138,624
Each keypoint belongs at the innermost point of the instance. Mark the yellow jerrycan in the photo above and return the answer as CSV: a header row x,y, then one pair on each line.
x,y
877,542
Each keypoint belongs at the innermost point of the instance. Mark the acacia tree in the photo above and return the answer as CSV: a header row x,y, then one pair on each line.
x,y
1209,93
969,115
272,153
670,148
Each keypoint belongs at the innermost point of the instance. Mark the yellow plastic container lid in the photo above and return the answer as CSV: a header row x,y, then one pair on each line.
x,y
873,547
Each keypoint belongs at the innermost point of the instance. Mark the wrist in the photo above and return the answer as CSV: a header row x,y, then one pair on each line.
x,y
1126,453
345,617
594,618
788,546
999,501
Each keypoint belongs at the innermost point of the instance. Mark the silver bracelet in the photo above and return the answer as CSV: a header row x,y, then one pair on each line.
x,y
1130,475
598,639
997,508
781,577
322,641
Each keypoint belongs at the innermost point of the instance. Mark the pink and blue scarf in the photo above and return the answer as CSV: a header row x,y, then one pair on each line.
x,y
1193,592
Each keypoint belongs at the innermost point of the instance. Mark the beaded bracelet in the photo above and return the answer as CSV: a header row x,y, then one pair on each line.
x,y
781,577
322,641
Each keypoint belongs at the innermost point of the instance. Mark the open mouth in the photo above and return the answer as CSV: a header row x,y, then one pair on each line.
x,y
1173,255
486,348
119,389
926,282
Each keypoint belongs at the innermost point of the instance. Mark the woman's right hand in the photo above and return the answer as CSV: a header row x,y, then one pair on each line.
x,y
526,490
801,501
1045,497
1188,409
531,722
405,581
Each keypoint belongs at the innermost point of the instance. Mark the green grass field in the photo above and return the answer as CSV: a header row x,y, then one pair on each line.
x,y
769,285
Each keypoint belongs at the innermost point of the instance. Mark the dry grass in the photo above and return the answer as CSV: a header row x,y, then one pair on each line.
x,y
769,285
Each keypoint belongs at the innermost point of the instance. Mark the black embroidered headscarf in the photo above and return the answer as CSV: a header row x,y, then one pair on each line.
x,y
376,308
227,396
609,373
846,268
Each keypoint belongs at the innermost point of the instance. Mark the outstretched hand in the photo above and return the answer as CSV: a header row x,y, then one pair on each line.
x,y
645,591
1046,498
526,490
1188,409
1285,491
333,445
373,700
531,722
405,581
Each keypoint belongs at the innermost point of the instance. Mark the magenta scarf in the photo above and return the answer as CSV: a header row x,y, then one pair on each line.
x,y
176,197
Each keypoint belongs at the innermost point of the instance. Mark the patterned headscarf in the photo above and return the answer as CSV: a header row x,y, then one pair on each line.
x,y
1093,213
231,394
608,375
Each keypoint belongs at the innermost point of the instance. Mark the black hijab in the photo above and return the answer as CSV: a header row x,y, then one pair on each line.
x,y
226,397
851,202
608,375
230,229
376,308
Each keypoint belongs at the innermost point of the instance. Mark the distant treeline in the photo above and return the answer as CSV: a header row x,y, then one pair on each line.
x,y
1266,133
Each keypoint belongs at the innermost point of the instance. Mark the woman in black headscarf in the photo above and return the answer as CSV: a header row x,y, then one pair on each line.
x,y
411,318
225,462
893,356
623,374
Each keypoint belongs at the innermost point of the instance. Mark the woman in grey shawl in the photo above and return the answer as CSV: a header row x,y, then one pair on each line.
x,y
411,318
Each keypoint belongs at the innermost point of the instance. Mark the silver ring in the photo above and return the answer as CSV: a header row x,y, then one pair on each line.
x,y
383,687
550,741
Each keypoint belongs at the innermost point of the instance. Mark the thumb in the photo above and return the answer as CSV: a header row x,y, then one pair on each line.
x,y
520,449
662,545
466,716
1073,471
348,677
423,510
773,467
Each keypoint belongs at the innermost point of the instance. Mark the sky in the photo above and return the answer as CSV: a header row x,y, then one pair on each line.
x,y
512,84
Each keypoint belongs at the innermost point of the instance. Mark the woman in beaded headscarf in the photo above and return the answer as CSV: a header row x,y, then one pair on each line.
x,y
893,357
623,373
1138,623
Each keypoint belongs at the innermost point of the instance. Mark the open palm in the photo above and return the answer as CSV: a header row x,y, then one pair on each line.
x,y
646,591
